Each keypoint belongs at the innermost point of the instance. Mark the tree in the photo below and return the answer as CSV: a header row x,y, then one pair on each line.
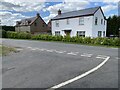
x,y
113,25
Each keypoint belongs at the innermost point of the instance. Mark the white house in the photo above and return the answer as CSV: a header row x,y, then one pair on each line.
x,y
89,22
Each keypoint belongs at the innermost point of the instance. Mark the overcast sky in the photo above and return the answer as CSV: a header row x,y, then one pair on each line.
x,y
15,10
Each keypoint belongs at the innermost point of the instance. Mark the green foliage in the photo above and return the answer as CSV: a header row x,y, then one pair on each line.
x,y
77,39
113,25
3,34
18,35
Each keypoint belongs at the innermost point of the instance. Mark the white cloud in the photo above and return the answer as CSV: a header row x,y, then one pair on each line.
x,y
22,5
46,19
7,18
109,7
65,7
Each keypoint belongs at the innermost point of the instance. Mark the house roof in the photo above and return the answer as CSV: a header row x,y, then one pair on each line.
x,y
84,12
26,22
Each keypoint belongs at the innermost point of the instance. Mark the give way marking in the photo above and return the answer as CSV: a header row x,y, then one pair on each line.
x,y
82,75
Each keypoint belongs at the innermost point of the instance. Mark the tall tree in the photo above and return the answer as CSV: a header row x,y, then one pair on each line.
x,y
113,25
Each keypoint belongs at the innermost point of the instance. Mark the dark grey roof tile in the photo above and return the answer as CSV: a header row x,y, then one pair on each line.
x,y
83,12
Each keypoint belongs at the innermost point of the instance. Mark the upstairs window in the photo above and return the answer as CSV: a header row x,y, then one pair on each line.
x,y
57,33
57,23
81,33
104,22
96,20
67,21
81,21
101,21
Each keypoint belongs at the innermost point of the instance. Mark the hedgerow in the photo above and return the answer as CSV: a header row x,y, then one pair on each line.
x,y
82,40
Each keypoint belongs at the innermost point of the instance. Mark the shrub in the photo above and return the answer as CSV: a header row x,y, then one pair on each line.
x,y
87,40
97,40
73,39
18,35
77,39
3,34
116,42
66,39
105,41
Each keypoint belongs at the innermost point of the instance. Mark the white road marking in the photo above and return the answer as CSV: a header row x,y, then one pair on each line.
x,y
42,49
73,53
80,76
49,50
29,47
117,57
102,56
87,55
60,51
33,49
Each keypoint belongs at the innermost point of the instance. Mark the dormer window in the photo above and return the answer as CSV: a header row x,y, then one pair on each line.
x,y
96,20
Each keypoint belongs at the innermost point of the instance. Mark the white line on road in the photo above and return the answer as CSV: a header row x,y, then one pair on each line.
x,y
73,53
33,49
102,56
49,50
29,47
87,55
60,51
42,49
117,57
80,76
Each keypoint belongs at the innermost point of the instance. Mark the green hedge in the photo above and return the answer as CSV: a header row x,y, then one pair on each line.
x,y
82,40
18,35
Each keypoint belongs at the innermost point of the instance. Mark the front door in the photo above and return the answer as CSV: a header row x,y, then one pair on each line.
x,y
67,33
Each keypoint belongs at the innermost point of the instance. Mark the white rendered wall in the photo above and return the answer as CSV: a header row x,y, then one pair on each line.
x,y
74,26
99,26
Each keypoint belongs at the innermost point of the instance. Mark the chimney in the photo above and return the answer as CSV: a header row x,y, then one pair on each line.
x,y
59,12
38,15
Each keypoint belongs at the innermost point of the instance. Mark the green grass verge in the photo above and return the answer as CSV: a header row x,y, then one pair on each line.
x,y
4,50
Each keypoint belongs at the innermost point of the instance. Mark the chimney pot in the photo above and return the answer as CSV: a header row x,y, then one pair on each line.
x,y
59,12
38,15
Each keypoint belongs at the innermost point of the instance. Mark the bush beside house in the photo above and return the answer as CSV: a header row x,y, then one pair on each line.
x,y
81,40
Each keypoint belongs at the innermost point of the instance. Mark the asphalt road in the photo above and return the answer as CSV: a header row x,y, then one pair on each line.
x,y
46,64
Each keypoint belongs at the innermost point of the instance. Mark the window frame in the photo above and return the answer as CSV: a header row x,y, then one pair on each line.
x,y
96,20
104,22
99,33
104,34
81,20
81,33
101,21
57,23
67,21
57,33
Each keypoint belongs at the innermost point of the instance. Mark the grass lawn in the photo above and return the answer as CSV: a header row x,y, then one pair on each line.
x,y
4,50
